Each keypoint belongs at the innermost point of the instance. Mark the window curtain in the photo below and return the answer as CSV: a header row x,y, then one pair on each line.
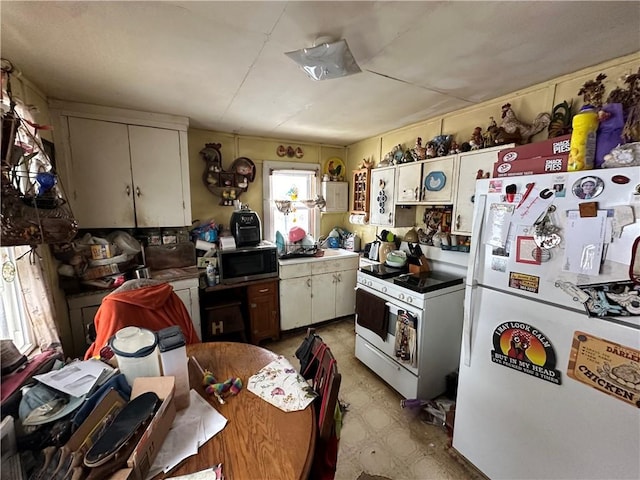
x,y
36,295
37,301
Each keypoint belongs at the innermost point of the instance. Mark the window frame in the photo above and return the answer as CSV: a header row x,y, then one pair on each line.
x,y
268,206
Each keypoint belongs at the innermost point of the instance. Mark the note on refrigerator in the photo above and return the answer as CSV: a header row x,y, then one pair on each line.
x,y
584,241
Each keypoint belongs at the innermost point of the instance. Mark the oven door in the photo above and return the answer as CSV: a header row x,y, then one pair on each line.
x,y
388,346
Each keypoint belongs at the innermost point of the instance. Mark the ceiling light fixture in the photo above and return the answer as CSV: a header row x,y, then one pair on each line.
x,y
326,60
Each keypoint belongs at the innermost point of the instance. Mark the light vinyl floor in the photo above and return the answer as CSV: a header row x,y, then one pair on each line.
x,y
378,436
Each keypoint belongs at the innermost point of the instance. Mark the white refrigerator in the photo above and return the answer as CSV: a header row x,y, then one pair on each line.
x,y
546,391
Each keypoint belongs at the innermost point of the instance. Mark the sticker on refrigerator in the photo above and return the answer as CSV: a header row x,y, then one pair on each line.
x,y
606,366
522,281
524,348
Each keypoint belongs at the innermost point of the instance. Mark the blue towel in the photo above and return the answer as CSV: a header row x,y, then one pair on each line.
x,y
117,382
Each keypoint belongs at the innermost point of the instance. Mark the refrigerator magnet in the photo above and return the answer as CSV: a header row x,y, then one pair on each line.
x,y
527,251
522,347
588,187
606,366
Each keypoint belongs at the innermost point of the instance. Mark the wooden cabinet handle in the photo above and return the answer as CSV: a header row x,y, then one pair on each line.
x,y
263,290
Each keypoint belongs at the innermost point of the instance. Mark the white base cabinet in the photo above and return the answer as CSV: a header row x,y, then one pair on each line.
x,y
317,289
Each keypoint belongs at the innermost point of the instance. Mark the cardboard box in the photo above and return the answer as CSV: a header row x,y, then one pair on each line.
x,y
92,273
102,252
553,146
144,454
531,166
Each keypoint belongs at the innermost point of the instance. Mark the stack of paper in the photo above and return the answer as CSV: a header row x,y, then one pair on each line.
x,y
181,443
77,378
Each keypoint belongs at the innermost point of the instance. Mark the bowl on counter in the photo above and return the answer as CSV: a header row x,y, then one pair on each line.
x,y
396,258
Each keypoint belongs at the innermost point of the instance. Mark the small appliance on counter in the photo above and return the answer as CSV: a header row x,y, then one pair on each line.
x,y
246,227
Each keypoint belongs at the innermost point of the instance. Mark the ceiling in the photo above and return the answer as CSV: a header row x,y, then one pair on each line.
x,y
222,64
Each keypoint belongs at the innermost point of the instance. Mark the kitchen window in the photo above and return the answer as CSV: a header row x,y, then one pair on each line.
x,y
288,185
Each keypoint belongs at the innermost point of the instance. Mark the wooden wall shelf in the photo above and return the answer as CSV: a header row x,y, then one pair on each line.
x,y
228,185
361,192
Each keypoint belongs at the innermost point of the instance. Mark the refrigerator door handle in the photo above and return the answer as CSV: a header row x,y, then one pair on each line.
x,y
476,244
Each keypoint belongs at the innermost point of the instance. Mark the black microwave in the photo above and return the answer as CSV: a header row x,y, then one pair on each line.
x,y
244,264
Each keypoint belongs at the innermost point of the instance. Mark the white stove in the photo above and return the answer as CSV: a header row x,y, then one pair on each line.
x,y
437,315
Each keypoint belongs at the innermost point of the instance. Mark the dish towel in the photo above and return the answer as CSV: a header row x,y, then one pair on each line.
x,y
282,386
372,313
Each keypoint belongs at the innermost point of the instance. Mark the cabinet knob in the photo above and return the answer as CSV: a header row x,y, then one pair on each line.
x,y
138,191
458,221
263,290
128,191
309,282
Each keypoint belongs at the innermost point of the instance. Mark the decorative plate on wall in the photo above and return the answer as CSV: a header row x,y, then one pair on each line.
x,y
435,181
334,167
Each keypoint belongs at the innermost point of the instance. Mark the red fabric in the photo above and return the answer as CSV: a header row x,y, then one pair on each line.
x,y
15,380
154,307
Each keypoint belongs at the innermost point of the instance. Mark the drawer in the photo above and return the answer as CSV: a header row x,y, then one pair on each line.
x,y
266,288
399,378
328,266
295,270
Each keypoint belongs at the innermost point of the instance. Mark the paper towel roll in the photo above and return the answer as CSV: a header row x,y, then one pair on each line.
x,y
206,246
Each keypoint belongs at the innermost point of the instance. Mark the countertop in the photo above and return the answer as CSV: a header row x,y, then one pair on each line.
x,y
328,254
168,275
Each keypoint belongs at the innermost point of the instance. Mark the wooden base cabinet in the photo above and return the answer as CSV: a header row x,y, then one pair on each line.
x,y
264,318
317,290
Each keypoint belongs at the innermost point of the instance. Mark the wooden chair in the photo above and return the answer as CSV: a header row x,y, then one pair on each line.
x,y
326,382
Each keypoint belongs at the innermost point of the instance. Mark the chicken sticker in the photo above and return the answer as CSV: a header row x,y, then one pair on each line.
x,y
606,366
522,347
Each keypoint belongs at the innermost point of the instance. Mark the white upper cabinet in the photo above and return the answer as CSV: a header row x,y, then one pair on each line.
x,y
439,180
336,194
383,209
124,169
473,164
409,175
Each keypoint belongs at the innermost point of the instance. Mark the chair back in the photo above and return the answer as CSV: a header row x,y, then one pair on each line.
x,y
326,382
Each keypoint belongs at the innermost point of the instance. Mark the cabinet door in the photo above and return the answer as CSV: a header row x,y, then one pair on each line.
x,y
295,302
408,185
101,193
336,194
439,179
346,293
323,297
157,176
471,164
382,196
263,311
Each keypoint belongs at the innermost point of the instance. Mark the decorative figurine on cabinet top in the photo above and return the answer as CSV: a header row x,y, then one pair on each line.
x,y
514,130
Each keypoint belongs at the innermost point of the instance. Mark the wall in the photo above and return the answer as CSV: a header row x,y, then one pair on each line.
x,y
526,103
204,205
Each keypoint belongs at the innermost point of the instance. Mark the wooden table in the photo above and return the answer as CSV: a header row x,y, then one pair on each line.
x,y
260,441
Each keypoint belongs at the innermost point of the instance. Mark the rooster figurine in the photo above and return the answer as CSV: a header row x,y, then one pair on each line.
x,y
513,130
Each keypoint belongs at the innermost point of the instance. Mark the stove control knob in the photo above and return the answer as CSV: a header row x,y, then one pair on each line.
x,y
409,299
384,289
401,296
